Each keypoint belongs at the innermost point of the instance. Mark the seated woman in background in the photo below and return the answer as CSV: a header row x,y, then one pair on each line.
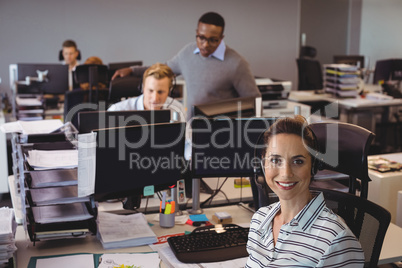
x,y
299,230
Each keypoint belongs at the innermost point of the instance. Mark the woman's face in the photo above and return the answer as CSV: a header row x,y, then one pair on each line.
x,y
287,167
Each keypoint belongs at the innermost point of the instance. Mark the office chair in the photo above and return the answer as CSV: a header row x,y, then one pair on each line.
x,y
368,221
307,52
310,74
344,148
76,97
124,87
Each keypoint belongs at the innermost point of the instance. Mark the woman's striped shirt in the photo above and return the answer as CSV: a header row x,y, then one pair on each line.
x,y
316,237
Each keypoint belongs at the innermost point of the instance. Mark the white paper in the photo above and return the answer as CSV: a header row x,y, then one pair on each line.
x,y
11,127
40,126
28,101
143,260
61,213
76,261
86,163
42,159
118,231
167,256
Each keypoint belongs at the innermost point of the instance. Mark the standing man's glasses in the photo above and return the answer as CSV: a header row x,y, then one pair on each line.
x,y
212,41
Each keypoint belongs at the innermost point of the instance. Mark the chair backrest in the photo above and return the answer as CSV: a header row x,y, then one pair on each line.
x,y
368,221
82,74
307,51
344,148
309,74
124,87
76,97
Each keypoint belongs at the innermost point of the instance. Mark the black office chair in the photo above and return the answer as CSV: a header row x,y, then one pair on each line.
x,y
124,87
344,148
368,221
307,52
309,74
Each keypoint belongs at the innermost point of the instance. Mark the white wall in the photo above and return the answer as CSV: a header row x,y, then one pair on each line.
x,y
265,32
380,36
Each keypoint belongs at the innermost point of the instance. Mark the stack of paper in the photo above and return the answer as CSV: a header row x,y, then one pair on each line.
x,y
32,127
8,227
53,178
61,213
342,79
53,159
56,195
120,231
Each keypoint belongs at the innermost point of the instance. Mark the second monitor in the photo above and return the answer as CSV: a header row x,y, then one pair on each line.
x,y
88,121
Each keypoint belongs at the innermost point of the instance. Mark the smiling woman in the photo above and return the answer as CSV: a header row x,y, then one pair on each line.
x,y
299,230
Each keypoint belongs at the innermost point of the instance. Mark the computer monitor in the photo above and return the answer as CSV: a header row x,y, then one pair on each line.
x,y
235,107
356,60
114,66
90,120
37,78
148,155
389,69
225,147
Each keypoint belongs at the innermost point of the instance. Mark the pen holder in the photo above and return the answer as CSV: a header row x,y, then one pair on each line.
x,y
166,220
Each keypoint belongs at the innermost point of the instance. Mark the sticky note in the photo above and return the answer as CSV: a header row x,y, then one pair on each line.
x,y
149,190
198,217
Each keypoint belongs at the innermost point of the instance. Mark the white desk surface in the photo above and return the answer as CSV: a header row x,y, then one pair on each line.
x,y
391,249
384,186
309,95
240,216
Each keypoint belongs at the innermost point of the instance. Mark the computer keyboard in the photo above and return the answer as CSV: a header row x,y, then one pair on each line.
x,y
214,243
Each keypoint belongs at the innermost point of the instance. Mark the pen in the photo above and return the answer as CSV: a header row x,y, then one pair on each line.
x,y
163,202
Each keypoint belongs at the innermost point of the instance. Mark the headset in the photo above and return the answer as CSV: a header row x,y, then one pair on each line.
x,y
258,167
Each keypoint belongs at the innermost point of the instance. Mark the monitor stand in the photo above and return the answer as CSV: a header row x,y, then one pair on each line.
x,y
196,209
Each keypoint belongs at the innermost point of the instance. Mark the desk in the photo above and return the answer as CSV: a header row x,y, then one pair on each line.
x,y
391,250
289,110
358,111
384,187
91,244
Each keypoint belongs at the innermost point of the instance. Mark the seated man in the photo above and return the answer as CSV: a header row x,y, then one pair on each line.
x,y
70,54
156,87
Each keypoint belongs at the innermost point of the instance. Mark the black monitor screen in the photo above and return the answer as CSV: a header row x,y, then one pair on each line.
x,y
236,107
130,158
91,120
114,66
55,78
225,147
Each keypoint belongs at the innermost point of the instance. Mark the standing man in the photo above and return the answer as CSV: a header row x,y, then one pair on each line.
x,y
212,70
70,55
